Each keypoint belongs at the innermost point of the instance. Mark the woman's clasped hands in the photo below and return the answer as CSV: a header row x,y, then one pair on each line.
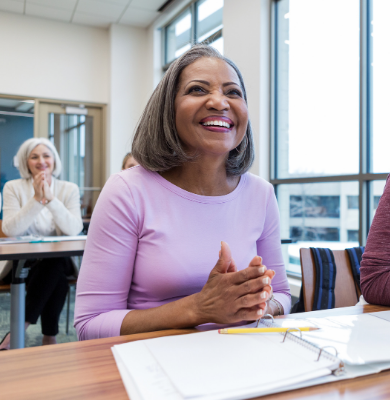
x,y
231,296
42,192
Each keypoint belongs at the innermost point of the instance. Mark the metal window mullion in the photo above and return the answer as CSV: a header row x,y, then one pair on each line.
x,y
165,46
365,120
330,178
193,9
273,95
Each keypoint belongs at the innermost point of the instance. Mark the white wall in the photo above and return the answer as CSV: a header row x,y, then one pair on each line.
x,y
48,59
43,58
246,34
129,88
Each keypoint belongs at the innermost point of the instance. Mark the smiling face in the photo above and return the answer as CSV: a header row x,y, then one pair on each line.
x,y
40,159
211,113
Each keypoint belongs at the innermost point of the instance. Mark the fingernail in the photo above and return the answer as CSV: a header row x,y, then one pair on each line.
x,y
266,281
260,312
263,295
262,270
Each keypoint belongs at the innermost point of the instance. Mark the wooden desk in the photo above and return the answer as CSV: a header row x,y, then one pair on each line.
x,y
20,252
87,370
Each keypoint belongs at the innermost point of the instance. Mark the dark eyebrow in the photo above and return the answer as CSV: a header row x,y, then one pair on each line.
x,y
230,83
198,80
208,83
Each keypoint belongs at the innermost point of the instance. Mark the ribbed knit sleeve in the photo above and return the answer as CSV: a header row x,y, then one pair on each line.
x,y
67,215
17,219
375,265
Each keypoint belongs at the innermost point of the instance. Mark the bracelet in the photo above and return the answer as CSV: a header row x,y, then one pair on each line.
x,y
277,304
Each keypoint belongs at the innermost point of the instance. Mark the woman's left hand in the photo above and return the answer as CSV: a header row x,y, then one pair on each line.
x,y
47,193
265,306
268,309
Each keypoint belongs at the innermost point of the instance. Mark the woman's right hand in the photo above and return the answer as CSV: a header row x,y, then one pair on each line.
x,y
230,296
38,185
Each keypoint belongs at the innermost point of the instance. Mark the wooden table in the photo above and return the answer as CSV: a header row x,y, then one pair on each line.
x,y
20,252
87,370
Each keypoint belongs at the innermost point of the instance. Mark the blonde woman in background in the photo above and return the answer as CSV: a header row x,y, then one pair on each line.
x,y
40,204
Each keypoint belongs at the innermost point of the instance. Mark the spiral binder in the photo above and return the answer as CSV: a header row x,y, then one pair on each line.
x,y
308,345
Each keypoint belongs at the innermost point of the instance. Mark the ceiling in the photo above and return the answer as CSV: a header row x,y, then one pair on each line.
x,y
99,13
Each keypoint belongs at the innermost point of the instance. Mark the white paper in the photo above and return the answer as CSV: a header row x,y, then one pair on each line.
x,y
63,238
40,239
351,371
206,363
210,366
129,383
144,378
359,339
382,314
147,380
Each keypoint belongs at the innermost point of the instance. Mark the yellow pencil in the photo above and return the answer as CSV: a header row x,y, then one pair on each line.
x,y
262,330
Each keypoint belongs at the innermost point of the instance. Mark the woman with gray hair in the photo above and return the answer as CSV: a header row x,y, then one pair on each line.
x,y
151,261
40,204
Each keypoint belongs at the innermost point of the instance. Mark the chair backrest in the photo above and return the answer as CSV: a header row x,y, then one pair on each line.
x,y
346,291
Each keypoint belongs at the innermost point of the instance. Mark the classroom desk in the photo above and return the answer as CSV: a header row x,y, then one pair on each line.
x,y
87,370
20,252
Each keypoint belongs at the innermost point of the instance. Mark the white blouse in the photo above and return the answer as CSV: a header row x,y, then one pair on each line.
x,y
23,215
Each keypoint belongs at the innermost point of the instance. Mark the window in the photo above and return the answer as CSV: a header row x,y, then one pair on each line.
x,y
315,206
330,129
353,202
16,126
375,191
376,201
200,22
313,233
353,236
178,36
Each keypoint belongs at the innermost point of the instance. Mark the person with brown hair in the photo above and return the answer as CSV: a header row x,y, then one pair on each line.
x,y
157,255
375,265
128,161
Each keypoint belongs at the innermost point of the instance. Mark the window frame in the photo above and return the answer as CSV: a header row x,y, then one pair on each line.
x,y
194,39
364,177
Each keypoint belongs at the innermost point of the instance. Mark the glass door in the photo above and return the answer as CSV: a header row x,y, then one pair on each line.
x,y
16,126
76,133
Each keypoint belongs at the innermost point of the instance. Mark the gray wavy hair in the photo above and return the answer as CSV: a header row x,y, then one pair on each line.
x,y
156,144
24,152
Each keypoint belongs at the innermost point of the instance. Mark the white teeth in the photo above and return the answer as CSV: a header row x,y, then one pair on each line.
x,y
217,123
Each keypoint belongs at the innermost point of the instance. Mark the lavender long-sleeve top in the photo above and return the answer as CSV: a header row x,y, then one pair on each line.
x,y
151,242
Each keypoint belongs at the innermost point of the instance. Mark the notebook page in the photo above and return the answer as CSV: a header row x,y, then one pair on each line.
x,y
128,382
144,383
382,315
359,339
142,375
63,238
351,371
207,363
